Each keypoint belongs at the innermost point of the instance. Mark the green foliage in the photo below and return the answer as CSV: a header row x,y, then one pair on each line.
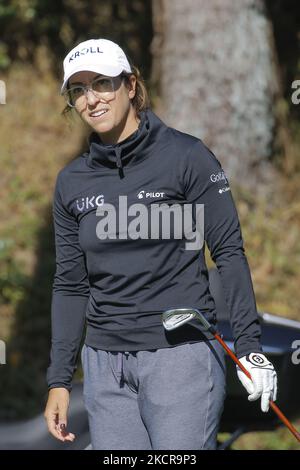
x,y
60,24
23,378
12,279
281,439
7,12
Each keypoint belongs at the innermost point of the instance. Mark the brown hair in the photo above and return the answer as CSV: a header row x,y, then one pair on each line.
x,y
140,101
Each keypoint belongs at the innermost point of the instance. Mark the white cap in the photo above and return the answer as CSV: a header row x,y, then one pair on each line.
x,y
95,55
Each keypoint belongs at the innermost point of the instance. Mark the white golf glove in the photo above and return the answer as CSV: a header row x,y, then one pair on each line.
x,y
264,379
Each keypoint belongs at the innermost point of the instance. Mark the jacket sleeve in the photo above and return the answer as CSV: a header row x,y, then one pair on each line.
x,y
206,183
70,293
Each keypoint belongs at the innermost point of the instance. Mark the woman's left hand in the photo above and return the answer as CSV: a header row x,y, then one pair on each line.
x,y
264,379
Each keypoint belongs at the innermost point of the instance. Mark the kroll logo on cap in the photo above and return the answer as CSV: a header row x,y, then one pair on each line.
x,y
95,55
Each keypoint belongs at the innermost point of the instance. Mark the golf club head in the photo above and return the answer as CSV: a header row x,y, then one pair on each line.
x,y
177,317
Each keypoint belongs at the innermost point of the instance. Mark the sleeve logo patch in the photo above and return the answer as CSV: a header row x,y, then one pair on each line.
x,y
215,178
223,190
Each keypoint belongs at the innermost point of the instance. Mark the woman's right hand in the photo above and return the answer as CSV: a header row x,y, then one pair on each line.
x,y
56,414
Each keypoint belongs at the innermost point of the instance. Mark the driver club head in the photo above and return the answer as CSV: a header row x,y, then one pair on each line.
x,y
177,317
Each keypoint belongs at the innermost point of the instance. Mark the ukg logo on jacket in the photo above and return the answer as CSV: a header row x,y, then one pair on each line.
x,y
87,202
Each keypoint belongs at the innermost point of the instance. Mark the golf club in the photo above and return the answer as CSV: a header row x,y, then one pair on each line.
x,y
174,318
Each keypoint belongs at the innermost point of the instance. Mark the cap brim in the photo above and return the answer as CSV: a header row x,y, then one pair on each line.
x,y
103,69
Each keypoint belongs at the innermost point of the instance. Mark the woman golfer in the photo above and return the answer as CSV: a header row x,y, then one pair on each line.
x,y
130,217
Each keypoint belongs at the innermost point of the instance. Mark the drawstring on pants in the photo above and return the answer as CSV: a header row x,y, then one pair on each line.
x,y
120,366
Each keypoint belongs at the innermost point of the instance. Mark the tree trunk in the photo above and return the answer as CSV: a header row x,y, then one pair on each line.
x,y
215,63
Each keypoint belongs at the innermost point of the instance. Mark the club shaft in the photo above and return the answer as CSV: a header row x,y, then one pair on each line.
x,y
274,407
285,421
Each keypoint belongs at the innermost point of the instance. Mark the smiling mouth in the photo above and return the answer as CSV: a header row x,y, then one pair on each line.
x,y
98,114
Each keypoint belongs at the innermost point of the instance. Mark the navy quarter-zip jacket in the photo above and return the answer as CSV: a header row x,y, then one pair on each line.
x,y
119,287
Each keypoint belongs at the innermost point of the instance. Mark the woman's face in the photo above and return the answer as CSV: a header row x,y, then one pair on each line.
x,y
119,120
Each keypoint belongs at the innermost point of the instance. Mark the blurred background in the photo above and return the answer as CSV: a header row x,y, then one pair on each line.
x,y
222,70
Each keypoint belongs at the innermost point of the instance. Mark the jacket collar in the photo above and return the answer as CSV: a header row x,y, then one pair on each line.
x,y
131,150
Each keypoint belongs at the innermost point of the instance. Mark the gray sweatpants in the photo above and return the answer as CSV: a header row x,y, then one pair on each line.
x,y
170,398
